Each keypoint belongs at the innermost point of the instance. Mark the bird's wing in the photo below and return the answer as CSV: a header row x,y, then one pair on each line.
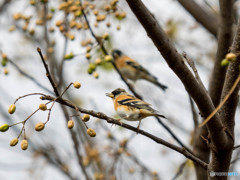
x,y
138,67
136,103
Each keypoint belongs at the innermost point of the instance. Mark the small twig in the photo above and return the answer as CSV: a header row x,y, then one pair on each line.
x,y
180,170
49,111
48,73
235,147
192,65
194,113
66,89
32,94
173,135
222,103
110,120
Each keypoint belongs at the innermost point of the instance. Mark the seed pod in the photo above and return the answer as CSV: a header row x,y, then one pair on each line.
x,y
13,142
39,126
98,61
85,117
11,109
4,127
105,36
231,56
68,56
43,107
224,62
77,84
88,55
108,58
70,124
96,75
91,132
24,144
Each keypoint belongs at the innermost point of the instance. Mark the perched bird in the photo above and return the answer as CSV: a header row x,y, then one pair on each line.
x,y
130,69
131,108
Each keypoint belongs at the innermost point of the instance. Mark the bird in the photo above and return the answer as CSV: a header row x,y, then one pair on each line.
x,y
130,108
131,69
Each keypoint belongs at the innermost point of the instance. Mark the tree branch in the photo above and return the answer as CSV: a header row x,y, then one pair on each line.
x,y
175,62
224,42
207,19
110,120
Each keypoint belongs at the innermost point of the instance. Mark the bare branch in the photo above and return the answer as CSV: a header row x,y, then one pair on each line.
x,y
175,62
114,121
203,16
48,73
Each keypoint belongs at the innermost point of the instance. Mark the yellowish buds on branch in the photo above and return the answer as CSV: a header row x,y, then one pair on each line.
x,y
224,62
98,61
88,55
4,127
70,124
69,56
231,56
43,107
13,142
77,84
39,126
96,75
24,144
108,58
85,117
11,109
91,132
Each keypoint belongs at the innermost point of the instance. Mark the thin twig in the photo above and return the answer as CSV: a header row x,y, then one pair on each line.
x,y
194,113
235,147
180,170
48,73
222,103
110,120
192,65
32,94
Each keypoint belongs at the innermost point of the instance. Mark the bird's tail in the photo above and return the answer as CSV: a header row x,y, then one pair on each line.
x,y
162,116
154,80
163,87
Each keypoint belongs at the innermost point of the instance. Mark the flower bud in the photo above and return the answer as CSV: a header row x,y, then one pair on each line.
x,y
91,132
105,36
98,61
4,127
85,117
96,75
24,144
77,84
39,126
108,58
5,71
11,109
14,142
68,56
224,62
231,56
88,55
70,124
43,107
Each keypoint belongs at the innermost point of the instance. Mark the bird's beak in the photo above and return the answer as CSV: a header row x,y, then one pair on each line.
x,y
110,95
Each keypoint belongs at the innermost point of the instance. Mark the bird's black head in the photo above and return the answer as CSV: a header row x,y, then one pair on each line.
x,y
118,91
115,93
116,53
